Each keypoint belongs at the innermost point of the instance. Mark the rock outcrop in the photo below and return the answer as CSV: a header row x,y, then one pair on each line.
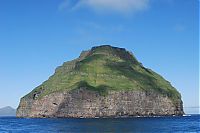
x,y
79,89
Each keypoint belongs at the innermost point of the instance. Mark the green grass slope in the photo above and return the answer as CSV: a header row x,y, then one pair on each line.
x,y
105,68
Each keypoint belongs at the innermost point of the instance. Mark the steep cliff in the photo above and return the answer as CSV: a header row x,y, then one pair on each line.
x,y
105,81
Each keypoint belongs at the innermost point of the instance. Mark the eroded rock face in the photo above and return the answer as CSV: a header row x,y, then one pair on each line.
x,y
105,81
89,104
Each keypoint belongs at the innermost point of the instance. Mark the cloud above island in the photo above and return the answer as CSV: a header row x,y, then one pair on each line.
x,y
119,6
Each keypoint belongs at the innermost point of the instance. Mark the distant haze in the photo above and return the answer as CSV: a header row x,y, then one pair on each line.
x,y
7,111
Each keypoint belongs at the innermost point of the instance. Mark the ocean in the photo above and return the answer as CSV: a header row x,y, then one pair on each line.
x,y
176,124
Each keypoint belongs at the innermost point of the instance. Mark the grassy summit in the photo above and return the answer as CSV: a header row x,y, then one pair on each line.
x,y
105,68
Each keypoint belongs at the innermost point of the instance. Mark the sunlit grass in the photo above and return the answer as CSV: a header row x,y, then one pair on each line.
x,y
104,70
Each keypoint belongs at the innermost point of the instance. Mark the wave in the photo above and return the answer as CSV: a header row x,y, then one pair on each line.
x,y
187,115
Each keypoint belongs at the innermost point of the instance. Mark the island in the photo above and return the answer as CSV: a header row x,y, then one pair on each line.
x,y
104,81
7,111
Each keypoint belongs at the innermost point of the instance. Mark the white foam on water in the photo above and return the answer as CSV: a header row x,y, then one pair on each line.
x,y
186,115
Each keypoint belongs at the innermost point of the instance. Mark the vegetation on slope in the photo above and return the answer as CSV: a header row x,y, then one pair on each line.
x,y
105,68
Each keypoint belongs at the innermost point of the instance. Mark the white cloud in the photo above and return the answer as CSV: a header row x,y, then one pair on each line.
x,y
122,6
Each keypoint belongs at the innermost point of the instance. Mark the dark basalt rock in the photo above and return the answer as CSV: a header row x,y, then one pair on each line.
x,y
105,81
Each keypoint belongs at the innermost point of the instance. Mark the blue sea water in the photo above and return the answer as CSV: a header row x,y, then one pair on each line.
x,y
185,124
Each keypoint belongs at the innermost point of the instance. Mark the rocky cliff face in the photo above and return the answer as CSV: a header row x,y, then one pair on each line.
x,y
87,87
86,103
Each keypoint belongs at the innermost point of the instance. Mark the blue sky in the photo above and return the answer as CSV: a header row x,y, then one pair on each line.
x,y
36,36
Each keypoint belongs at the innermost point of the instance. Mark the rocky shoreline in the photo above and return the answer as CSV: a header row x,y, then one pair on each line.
x,y
102,82
84,103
